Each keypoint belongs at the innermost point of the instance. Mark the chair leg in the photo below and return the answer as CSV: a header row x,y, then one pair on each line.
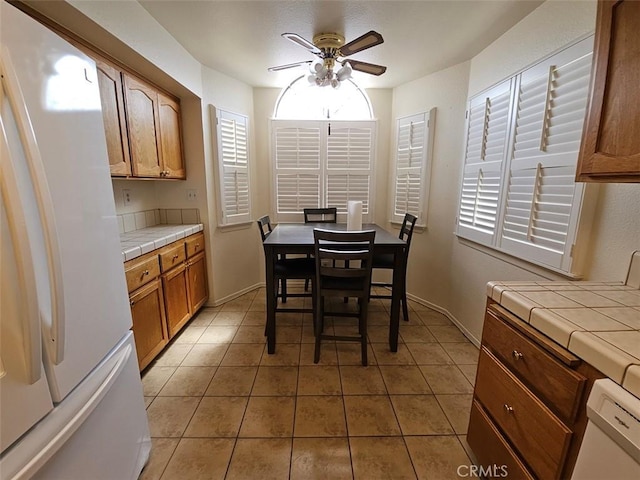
x,y
283,283
405,309
363,330
318,328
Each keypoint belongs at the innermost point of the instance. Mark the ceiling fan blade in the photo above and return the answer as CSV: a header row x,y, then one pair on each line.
x,y
368,40
365,67
289,65
303,42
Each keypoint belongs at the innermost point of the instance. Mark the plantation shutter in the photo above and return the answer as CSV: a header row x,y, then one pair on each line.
x,y
297,167
349,160
233,163
321,164
487,136
542,199
414,139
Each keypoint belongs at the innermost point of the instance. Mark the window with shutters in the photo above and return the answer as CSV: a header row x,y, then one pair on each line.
x,y
233,168
322,164
518,191
414,140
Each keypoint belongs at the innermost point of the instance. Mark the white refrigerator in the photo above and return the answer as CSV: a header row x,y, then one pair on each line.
x,y
71,402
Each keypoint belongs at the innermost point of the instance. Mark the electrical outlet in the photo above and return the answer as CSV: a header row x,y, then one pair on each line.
x,y
192,194
126,196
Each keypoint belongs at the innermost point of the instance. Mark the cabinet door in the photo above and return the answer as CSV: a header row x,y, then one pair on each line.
x,y
143,127
197,277
149,326
115,126
611,139
171,137
176,299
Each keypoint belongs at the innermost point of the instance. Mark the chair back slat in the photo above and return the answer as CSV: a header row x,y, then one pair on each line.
x,y
406,231
343,262
264,225
324,215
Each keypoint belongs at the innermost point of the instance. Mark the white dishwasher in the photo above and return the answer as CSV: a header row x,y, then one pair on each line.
x,y
611,446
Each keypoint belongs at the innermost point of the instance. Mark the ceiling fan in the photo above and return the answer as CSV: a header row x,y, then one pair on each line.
x,y
331,49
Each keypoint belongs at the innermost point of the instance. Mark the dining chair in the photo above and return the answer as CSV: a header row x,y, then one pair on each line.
x,y
343,269
386,261
287,268
323,215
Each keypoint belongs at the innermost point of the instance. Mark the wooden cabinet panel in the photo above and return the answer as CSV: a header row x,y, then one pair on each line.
x,y
526,421
139,272
491,448
559,386
197,278
149,326
176,298
143,123
195,244
171,137
115,125
610,149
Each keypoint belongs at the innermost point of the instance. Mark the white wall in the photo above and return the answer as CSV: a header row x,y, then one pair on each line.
x,y
466,268
236,251
429,257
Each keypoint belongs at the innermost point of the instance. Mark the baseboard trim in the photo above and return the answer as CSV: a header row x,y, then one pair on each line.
x,y
233,296
465,331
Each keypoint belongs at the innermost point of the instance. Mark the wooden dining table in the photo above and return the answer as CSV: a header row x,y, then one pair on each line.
x,y
298,239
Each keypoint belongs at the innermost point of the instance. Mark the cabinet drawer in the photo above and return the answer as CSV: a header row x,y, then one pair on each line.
x,y
172,256
195,244
141,272
529,425
491,448
560,387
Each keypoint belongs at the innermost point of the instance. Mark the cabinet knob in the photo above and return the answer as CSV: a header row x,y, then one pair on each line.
x,y
146,272
175,257
517,355
131,303
508,408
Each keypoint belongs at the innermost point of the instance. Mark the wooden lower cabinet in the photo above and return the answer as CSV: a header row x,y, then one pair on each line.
x,y
149,325
529,402
176,298
167,287
197,281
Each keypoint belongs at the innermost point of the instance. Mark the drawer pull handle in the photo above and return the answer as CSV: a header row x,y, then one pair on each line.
x,y
517,355
175,256
146,272
131,303
508,408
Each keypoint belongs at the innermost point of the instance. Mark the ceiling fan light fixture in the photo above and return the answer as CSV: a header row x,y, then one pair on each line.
x,y
344,73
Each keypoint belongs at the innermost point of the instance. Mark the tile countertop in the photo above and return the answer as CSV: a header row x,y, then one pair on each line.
x,y
139,242
596,321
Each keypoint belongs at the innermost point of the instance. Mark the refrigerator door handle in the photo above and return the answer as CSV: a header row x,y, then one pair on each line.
x,y
56,325
26,273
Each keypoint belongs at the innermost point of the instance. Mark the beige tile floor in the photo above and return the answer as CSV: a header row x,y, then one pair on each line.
x,y
220,407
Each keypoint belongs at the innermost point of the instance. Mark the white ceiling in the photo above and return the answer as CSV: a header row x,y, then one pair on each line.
x,y
242,38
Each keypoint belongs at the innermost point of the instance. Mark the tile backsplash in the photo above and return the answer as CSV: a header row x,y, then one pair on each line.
x,y
129,222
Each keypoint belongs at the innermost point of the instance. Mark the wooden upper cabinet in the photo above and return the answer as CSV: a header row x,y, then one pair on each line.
x,y
610,150
171,137
143,124
115,125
